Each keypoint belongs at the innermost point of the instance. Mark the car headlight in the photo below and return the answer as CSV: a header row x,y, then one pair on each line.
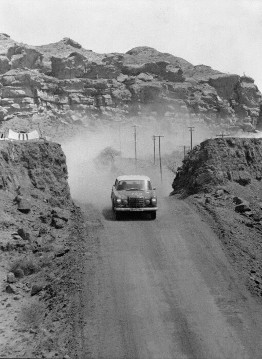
x,y
147,201
153,201
118,200
124,201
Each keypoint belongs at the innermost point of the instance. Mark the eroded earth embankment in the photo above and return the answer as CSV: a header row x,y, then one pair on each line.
x,y
39,238
223,178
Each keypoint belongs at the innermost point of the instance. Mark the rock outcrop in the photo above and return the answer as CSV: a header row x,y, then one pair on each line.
x,y
59,78
39,226
219,161
222,178
37,168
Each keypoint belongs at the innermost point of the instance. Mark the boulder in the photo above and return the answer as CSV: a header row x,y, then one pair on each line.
x,y
70,42
122,78
58,223
257,217
60,213
4,64
61,251
10,289
19,273
145,77
10,278
243,207
15,106
24,234
244,178
238,200
37,288
45,217
219,193
24,206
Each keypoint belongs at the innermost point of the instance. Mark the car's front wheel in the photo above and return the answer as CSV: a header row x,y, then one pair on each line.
x,y
153,215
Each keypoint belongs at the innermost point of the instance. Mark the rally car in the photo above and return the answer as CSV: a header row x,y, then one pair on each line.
x,y
133,193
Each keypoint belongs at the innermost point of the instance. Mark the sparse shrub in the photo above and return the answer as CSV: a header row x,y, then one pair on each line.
x,y
173,160
107,156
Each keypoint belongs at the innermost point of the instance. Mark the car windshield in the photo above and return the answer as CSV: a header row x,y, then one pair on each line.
x,y
131,185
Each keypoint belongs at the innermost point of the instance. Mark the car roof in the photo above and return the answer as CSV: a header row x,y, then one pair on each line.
x,y
133,178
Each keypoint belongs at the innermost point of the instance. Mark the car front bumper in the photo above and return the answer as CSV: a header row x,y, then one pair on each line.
x,y
139,209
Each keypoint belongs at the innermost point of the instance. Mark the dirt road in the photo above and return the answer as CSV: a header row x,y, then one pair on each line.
x,y
164,289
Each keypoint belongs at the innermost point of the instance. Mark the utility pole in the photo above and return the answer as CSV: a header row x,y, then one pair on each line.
x,y
159,152
154,140
222,135
135,139
120,143
191,129
40,132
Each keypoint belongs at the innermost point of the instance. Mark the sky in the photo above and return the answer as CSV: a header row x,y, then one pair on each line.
x,y
224,34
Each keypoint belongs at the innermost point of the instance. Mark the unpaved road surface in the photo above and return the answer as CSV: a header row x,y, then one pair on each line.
x,y
164,289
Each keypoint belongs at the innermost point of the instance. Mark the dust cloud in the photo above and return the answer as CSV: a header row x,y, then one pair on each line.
x,y
90,183
251,135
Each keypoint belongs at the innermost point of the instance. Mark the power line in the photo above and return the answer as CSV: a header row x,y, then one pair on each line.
x,y
154,140
135,139
120,142
159,153
191,129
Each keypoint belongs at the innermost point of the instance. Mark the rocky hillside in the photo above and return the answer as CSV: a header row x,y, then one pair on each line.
x,y
223,179
64,83
38,244
218,162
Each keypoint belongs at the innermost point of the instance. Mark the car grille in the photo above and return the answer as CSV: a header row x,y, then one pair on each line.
x,y
136,202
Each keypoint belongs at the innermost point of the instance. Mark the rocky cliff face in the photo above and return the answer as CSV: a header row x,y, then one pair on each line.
x,y
220,161
39,227
36,169
66,82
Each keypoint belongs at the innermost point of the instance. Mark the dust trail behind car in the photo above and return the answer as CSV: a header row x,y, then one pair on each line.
x,y
92,171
